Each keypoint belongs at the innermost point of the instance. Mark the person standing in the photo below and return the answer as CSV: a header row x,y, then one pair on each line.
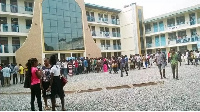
x,y
1,76
35,83
161,63
70,67
138,60
65,68
15,74
174,64
21,72
6,74
56,86
85,63
122,66
76,67
105,66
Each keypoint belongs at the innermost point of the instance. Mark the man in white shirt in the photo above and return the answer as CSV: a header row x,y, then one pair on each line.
x,y
6,74
138,60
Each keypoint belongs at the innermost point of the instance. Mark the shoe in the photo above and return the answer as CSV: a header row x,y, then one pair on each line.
x,y
56,105
47,108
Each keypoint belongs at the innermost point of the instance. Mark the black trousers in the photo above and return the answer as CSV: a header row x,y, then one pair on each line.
x,y
2,79
15,78
36,92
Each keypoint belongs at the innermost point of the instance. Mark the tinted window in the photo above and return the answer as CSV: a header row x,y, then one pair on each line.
x,y
62,23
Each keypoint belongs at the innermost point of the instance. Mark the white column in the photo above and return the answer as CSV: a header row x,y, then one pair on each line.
x,y
71,54
10,48
9,23
2,46
59,56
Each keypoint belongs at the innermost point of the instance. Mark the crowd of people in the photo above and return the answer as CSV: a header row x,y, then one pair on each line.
x,y
48,77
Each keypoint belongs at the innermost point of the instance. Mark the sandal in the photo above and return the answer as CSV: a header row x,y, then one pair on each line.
x,y
47,108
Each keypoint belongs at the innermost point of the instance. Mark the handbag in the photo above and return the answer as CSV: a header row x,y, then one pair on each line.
x,y
64,81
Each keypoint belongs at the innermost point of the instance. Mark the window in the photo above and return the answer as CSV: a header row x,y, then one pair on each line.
x,y
4,41
147,27
108,43
28,23
28,6
171,22
155,27
161,26
192,19
181,34
15,43
180,20
62,31
172,36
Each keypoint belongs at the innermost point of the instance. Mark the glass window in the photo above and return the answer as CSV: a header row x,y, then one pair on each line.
x,y
171,22
147,27
180,20
28,23
63,28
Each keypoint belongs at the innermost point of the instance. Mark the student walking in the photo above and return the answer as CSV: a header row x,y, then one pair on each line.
x,y
161,63
174,64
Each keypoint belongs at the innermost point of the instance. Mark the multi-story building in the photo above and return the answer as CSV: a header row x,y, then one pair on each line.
x,y
15,22
179,30
67,28
116,31
104,24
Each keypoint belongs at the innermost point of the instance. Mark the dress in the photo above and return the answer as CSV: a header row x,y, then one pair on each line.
x,y
46,81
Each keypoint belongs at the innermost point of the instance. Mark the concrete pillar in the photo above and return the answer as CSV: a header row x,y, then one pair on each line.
x,y
71,54
9,23
59,56
10,48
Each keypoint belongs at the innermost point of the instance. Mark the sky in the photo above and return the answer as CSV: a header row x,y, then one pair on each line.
x,y
151,7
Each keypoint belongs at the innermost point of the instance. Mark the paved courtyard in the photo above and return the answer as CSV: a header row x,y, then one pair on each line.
x,y
111,92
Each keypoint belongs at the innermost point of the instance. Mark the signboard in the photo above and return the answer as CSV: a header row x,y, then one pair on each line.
x,y
198,45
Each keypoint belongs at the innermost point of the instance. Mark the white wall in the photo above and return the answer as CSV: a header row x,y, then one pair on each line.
x,y
129,34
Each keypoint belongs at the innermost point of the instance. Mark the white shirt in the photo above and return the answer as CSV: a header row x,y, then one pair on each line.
x,y
65,64
55,70
197,55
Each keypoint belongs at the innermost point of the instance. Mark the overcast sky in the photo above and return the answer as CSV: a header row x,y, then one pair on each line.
x,y
151,7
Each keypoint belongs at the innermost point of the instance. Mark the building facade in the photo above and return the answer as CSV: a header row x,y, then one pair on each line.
x,y
15,23
179,30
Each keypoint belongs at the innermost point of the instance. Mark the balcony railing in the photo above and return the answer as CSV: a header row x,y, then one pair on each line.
x,y
9,48
105,34
110,47
15,9
103,20
173,27
14,28
184,40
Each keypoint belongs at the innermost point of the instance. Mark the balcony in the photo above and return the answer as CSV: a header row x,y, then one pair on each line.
x,y
9,48
184,40
110,47
172,27
105,34
103,20
13,29
8,8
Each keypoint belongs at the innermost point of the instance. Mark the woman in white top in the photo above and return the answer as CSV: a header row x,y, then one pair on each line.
x,y
56,86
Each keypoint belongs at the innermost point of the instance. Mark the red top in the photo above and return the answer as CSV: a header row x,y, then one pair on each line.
x,y
76,64
34,78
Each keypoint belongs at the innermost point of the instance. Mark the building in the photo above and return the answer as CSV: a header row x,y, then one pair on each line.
x,y
115,30
67,28
179,30
15,23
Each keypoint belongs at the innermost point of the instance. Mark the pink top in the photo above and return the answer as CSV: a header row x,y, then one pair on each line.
x,y
34,78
